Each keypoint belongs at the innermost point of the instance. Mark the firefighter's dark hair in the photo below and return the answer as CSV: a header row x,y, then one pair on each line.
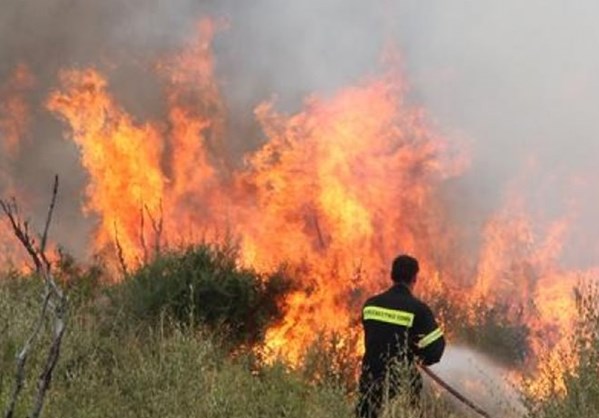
x,y
404,269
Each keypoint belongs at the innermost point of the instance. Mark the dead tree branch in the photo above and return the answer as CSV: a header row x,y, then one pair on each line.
x,y
54,303
319,232
119,252
49,217
157,227
142,237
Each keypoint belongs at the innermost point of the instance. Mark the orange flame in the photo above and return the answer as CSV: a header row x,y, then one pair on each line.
x,y
14,123
14,110
335,191
322,198
196,119
122,158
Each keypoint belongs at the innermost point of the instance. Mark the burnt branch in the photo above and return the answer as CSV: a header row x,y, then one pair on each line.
x,y
319,233
142,237
21,229
49,217
157,227
119,252
45,377
54,304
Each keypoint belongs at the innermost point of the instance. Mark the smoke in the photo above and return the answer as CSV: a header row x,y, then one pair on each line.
x,y
480,380
513,79
516,78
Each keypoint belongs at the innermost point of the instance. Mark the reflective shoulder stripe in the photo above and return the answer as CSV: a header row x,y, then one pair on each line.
x,y
390,316
430,338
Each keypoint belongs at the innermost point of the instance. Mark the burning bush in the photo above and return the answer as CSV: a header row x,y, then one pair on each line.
x,y
204,285
571,387
332,359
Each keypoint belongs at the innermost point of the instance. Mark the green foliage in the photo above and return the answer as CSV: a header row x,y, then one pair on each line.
x,y
203,285
431,405
111,367
161,352
332,359
20,304
83,284
169,371
496,331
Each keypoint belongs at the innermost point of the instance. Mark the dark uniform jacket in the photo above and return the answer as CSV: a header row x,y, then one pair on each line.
x,y
398,326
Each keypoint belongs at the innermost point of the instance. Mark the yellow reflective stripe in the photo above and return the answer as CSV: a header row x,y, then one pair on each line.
x,y
390,316
430,338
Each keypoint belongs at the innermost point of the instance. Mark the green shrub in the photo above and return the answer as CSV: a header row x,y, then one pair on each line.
x,y
20,305
108,368
332,361
170,371
497,331
82,283
204,285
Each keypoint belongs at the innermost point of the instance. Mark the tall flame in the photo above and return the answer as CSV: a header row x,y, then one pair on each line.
x,y
334,192
196,121
122,158
14,125
14,110
339,188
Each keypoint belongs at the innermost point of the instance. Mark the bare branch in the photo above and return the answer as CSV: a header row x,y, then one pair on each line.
x,y
119,252
157,227
46,376
20,229
54,297
49,217
142,237
319,233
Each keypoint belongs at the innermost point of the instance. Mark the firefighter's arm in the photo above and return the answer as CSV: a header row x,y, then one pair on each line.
x,y
429,343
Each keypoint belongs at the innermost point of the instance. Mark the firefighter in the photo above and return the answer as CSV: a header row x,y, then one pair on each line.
x,y
400,331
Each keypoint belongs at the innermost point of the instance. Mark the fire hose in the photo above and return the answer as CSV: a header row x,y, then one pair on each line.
x,y
454,392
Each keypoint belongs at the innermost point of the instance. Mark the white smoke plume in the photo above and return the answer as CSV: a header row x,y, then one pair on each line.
x,y
480,380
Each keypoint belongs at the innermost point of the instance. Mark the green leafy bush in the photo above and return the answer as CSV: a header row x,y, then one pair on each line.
x,y
204,285
497,331
82,283
169,371
108,368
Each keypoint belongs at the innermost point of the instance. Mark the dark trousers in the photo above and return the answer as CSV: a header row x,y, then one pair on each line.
x,y
374,391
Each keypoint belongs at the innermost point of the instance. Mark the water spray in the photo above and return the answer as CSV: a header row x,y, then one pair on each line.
x,y
454,392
